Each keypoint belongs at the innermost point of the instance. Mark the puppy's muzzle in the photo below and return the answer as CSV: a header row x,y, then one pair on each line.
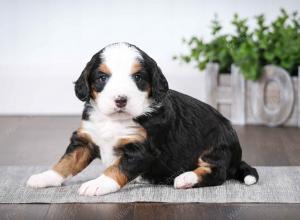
x,y
121,101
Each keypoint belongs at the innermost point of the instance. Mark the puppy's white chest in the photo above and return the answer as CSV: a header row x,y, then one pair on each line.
x,y
106,133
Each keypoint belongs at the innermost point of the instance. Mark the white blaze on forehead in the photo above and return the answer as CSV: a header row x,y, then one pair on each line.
x,y
120,58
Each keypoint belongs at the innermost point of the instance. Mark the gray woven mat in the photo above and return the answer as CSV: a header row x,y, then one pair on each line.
x,y
276,185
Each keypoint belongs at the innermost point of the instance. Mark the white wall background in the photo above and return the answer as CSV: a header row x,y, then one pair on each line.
x,y
44,45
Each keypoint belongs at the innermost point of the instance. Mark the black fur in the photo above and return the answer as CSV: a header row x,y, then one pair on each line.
x,y
158,81
180,131
86,110
142,80
136,158
98,80
76,141
82,84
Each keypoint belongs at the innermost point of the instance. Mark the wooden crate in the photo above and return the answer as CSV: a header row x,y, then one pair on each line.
x,y
272,100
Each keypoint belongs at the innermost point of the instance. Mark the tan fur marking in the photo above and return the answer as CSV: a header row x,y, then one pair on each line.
x,y
201,172
104,68
116,174
202,163
74,162
124,141
140,136
136,67
94,93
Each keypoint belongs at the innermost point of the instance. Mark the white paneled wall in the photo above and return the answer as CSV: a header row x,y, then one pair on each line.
x,y
44,45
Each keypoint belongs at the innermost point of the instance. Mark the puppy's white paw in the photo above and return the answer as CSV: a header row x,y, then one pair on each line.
x,y
250,180
100,186
186,180
45,179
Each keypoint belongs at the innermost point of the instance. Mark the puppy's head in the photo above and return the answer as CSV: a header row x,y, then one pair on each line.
x,y
121,80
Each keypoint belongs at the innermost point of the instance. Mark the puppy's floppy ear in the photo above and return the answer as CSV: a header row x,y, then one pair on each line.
x,y
82,88
160,85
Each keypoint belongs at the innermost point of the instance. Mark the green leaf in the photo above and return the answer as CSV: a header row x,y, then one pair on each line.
x,y
275,43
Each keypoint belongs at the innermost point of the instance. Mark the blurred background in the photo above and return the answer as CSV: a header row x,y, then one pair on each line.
x,y
45,44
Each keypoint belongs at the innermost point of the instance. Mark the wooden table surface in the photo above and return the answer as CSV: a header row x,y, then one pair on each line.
x,y
42,140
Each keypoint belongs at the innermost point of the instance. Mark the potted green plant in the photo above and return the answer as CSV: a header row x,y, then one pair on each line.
x,y
251,55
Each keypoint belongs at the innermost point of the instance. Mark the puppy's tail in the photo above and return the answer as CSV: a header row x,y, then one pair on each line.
x,y
246,174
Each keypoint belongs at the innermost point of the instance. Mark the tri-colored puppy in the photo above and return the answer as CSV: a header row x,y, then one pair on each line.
x,y
139,127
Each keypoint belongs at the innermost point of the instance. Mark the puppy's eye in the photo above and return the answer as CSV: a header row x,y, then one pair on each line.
x,y
137,77
103,77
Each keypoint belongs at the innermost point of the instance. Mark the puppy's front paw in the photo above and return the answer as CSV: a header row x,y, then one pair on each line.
x,y
45,179
185,180
100,186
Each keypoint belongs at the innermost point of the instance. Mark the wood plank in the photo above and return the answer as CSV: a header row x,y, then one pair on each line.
x,y
291,145
91,211
24,135
216,211
211,84
224,95
23,211
238,105
299,96
263,146
292,121
224,79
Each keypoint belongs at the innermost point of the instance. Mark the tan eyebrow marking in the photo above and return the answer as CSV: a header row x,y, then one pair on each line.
x,y
104,68
136,67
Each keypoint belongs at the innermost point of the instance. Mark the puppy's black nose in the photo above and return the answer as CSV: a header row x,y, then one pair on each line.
x,y
121,101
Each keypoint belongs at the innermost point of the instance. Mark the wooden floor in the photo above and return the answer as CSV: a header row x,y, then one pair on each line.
x,y
42,140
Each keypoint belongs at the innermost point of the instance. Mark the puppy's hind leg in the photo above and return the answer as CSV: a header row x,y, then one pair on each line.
x,y
201,176
79,154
